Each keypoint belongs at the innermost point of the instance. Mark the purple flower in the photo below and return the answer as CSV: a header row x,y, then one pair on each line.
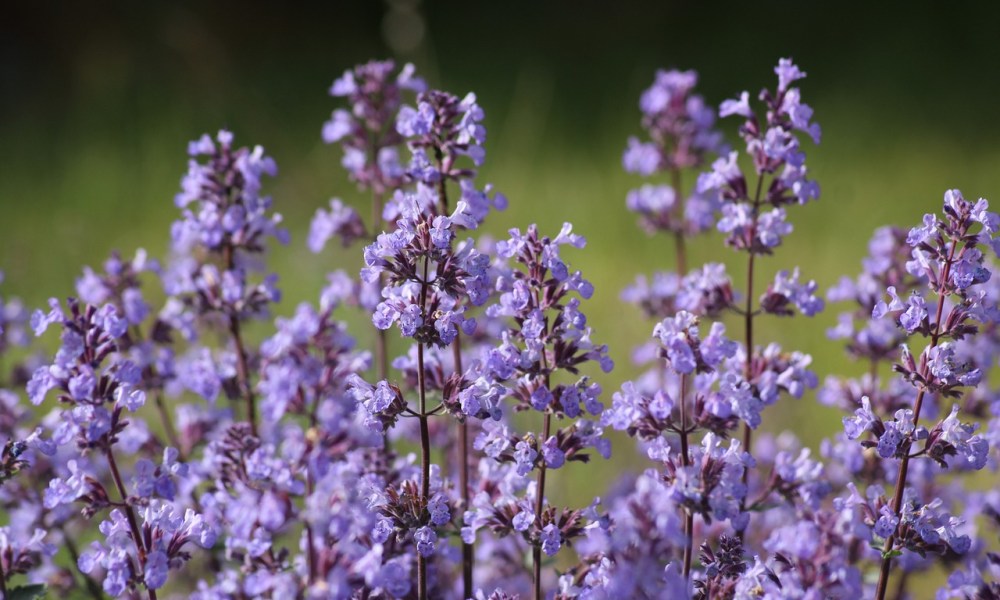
x,y
439,511
340,220
425,539
553,455
156,569
863,420
523,520
65,491
524,458
787,73
541,398
787,290
642,159
551,540
740,107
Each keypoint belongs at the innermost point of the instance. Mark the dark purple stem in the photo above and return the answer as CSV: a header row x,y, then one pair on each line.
x,y
463,477
748,316
242,362
425,441
539,506
686,461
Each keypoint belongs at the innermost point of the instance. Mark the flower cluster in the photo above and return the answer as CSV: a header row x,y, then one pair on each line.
x,y
680,126
773,146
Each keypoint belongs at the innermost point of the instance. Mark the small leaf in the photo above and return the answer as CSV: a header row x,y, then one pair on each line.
x,y
891,554
27,592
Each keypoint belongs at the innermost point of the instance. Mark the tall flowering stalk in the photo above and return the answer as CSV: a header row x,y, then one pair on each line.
x,y
230,223
753,214
100,385
680,126
439,131
712,385
948,260
428,280
371,144
549,339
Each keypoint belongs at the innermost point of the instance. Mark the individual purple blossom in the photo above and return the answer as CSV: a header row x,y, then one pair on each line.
x,y
65,491
553,456
786,290
155,574
912,313
642,159
482,399
954,438
541,398
551,539
425,538
757,233
863,420
523,520
340,221
524,457
895,432
949,369
439,511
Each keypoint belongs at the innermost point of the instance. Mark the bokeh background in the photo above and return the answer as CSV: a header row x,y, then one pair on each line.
x,y
99,100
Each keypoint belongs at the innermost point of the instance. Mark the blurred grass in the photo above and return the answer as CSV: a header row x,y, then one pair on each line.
x,y
95,123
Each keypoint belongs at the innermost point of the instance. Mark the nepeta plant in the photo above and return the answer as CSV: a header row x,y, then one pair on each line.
x,y
183,446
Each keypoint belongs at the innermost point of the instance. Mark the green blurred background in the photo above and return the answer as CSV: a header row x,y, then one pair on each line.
x,y
99,100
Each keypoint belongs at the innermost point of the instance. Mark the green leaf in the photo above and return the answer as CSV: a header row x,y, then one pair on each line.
x,y
27,592
891,554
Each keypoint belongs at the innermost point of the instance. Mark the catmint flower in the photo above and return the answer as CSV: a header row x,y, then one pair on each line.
x,y
156,570
523,520
374,92
786,290
554,457
383,402
425,539
226,192
524,457
683,349
341,221
863,420
551,540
